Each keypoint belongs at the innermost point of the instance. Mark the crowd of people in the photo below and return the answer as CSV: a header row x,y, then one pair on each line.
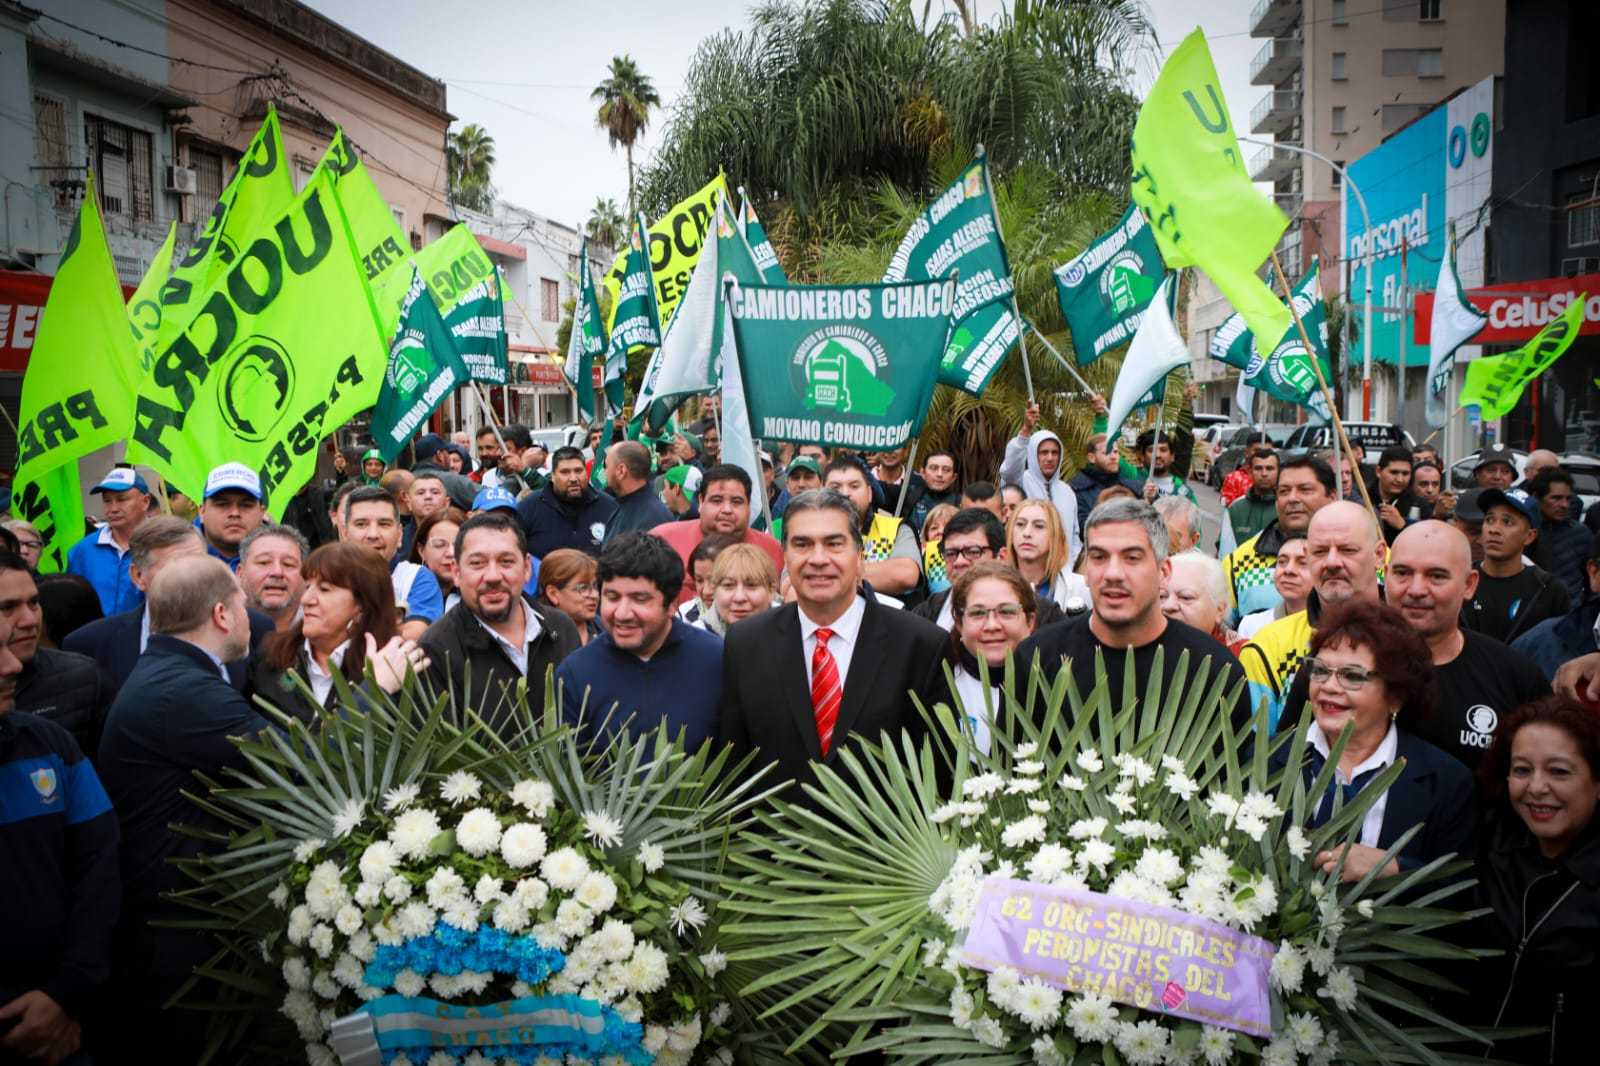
x,y
656,584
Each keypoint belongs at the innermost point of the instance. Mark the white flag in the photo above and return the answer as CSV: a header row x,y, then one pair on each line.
x,y
688,363
1155,352
1244,401
1454,322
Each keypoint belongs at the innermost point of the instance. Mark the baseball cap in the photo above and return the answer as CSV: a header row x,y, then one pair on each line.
x,y
233,476
495,499
687,477
426,446
1516,499
121,479
804,462
1494,453
1469,506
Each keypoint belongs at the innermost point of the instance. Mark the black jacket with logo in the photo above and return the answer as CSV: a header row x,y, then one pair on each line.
x,y
70,690
549,522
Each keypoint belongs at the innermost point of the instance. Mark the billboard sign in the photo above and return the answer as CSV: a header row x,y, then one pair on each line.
x,y
1519,309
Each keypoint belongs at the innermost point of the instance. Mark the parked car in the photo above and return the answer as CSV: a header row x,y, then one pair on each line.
x,y
1585,471
1233,447
1207,446
1461,477
1374,437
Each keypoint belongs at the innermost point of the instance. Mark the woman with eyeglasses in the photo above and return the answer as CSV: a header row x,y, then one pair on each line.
x,y
1369,671
994,610
435,548
567,582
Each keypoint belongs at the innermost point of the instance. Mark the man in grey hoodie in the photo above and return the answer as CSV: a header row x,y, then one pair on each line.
x,y
1033,460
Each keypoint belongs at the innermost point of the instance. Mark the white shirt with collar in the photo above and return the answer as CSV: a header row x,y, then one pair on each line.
x,y
530,632
144,628
842,645
1388,751
947,621
320,680
106,538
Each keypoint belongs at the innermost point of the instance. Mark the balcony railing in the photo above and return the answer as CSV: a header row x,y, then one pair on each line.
x,y
1278,58
1275,112
1271,17
1270,164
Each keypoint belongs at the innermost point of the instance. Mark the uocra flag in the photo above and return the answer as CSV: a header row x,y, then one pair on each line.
x,y
1285,372
1495,382
1104,290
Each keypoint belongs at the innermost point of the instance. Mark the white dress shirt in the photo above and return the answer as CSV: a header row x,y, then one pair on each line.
x,y
842,645
530,633
320,680
1388,750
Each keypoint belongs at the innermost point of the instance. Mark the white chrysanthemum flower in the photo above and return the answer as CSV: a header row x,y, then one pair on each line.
x,y
1026,750
614,940
647,970
1251,826
1212,860
413,832
1279,1053
445,887
564,868
321,940
1039,806
691,913
296,974
1141,829
279,896
531,893
651,856
461,787
1123,802
1048,861
1160,866
378,862
943,813
1182,785
361,945
1260,805
510,916
306,849
1365,908
684,1038
983,786
933,952
535,797
1097,854
1001,983
961,1006
1341,988
1072,783
349,920
1328,1052
325,893
478,832
1299,843
1037,1004
1288,968
714,962
1143,1043
1029,830
441,1058
400,797
1130,885
368,895
1092,1019
655,1039
1027,767
1022,786
397,889
323,986
1045,1053
523,845
349,817
602,828
1084,828
1305,1031
488,889
1090,762
460,914
573,918
1216,1045
597,892
1223,806
415,919
1321,959
1135,769
348,970
989,1032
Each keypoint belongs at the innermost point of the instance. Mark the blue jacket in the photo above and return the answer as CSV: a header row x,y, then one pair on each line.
x,y
58,866
548,522
1559,640
114,644
640,510
682,683
96,559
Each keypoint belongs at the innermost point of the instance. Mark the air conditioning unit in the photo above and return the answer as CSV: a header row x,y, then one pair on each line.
x,y
181,180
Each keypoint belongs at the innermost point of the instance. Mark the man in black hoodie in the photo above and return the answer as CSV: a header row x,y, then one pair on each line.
x,y
567,512
1100,471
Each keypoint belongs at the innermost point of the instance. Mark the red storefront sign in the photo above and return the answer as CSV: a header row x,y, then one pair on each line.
x,y
22,299
1519,309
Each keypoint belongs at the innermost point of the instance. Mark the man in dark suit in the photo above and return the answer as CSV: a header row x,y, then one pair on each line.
x,y
117,642
799,680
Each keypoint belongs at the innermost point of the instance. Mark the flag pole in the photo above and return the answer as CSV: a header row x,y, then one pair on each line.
x,y
1022,347
1067,366
1322,382
1016,309
905,479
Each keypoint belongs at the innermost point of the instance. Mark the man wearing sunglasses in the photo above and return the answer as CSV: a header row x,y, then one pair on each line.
x,y
972,536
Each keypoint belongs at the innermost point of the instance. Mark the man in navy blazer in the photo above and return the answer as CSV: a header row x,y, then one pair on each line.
x,y
117,642
800,680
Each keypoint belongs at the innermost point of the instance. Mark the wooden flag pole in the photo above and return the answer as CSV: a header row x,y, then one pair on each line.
x,y
1322,382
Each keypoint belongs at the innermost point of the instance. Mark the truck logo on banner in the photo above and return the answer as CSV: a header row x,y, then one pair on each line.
x,y
839,369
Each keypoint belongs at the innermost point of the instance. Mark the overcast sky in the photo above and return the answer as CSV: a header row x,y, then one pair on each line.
x,y
524,72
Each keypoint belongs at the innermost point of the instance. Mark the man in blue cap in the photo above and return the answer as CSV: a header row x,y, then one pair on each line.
x,y
102,557
233,506
499,499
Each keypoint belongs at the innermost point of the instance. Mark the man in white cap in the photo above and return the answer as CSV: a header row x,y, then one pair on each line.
x,y
233,506
102,557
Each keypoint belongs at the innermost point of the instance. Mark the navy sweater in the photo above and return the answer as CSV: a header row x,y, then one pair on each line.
x,y
681,683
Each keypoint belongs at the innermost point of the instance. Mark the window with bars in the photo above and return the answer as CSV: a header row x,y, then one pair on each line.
x,y
549,300
120,157
52,148
1583,220
208,169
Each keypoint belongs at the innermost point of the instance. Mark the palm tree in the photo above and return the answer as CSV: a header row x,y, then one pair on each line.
x,y
626,99
606,226
470,154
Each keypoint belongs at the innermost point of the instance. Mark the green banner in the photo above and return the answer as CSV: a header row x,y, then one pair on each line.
x,y
452,265
755,235
423,369
1104,290
636,323
587,341
287,346
260,191
846,365
1190,181
1495,382
384,250
477,324
1286,372
77,394
144,306
959,233
675,242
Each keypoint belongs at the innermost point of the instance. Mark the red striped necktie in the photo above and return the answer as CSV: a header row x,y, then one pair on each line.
x,y
826,691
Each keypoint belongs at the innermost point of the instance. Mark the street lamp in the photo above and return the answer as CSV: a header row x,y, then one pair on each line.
x,y
1366,267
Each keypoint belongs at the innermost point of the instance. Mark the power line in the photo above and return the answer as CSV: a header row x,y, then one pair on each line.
x,y
145,51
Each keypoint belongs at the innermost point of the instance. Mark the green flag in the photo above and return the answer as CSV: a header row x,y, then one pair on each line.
x,y
1189,179
384,251
260,191
1104,290
636,325
755,235
1285,373
469,293
845,365
959,232
144,307
423,369
588,339
77,394
1495,383
287,346
452,265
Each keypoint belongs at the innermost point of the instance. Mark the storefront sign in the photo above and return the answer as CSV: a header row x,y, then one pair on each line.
x,y
22,297
1518,310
